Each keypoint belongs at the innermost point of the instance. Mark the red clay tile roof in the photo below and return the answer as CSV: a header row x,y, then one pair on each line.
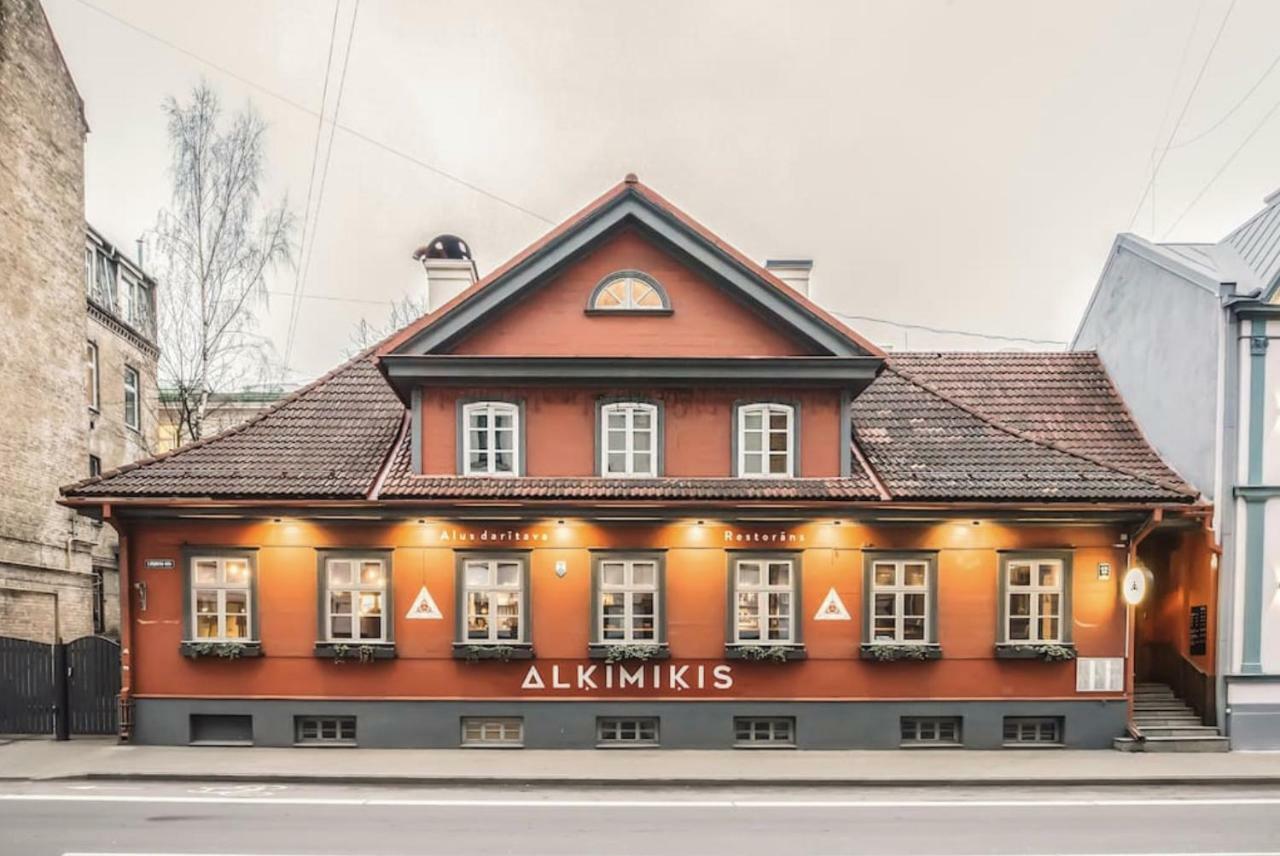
x,y
934,427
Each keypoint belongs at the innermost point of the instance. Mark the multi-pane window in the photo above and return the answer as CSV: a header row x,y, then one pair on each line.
x,y
764,595
627,731
100,275
493,598
1024,730
1033,600
356,592
91,376
764,730
491,439
492,731
135,304
221,595
628,292
132,398
95,466
930,730
765,440
325,729
900,601
628,601
99,600
629,439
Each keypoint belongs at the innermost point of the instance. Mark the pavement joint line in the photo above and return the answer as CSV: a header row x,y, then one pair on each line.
x,y
386,802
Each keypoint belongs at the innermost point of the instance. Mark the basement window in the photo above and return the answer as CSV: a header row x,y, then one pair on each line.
x,y
751,732
324,730
627,731
493,731
1033,731
930,730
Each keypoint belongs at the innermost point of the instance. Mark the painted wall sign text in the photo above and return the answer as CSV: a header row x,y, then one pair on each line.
x,y
491,536
642,676
159,564
777,536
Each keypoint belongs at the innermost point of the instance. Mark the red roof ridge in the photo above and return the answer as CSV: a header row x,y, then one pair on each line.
x,y
1039,441
863,461
388,460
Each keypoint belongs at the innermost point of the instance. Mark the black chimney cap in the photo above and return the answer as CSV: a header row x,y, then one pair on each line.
x,y
443,247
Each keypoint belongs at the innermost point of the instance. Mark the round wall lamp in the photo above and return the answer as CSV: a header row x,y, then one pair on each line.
x,y
1136,584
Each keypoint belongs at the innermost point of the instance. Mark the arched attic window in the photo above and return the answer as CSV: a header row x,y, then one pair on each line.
x,y
631,292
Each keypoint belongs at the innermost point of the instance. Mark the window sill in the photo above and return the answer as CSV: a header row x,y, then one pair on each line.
x,y
604,313
472,652
363,652
1049,652
197,650
628,652
893,652
764,653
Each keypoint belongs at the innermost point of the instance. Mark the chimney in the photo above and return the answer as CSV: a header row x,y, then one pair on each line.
x,y
449,266
794,272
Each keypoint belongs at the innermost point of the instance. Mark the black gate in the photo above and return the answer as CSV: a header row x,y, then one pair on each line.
x,y
30,690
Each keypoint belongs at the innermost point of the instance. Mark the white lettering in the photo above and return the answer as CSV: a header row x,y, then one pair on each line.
x,y
532,680
634,679
675,677
556,683
584,677
608,677
723,676
702,677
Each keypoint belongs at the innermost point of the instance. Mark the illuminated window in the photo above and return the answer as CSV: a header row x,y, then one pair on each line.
x,y
221,598
900,595
356,594
493,596
764,596
629,439
766,440
629,291
1034,600
491,438
628,600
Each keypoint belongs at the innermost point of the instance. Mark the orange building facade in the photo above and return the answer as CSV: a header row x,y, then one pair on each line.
x,y
633,490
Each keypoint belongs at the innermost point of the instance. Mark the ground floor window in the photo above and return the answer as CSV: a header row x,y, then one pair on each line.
x,y
492,731
339,730
627,731
930,731
1033,731
755,731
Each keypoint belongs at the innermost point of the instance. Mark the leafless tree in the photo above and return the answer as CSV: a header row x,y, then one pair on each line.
x,y
404,311
213,249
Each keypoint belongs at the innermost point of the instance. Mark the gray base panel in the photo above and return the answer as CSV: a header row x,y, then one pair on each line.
x,y
1088,724
1254,726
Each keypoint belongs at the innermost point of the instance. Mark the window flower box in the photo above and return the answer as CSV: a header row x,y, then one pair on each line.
x,y
1049,652
220,650
630,652
360,652
892,652
765,653
504,653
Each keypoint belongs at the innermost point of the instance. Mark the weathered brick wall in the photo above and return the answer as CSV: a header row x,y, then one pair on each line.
x,y
42,303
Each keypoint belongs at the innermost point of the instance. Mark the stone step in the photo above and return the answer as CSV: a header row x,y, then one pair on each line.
x,y
1185,744
1166,721
1149,731
1173,707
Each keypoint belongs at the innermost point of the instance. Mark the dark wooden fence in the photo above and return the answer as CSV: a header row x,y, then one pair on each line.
x,y
26,687
59,689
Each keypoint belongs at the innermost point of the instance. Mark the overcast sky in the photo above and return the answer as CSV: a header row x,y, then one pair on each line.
x,y
951,164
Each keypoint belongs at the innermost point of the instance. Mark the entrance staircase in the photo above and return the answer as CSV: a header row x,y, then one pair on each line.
x,y
1162,722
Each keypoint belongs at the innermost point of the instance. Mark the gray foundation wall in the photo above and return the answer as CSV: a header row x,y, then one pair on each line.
x,y
1254,726
683,725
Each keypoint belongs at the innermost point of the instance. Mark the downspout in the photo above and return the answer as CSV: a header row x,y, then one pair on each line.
x,y
124,709
1130,626
1225,500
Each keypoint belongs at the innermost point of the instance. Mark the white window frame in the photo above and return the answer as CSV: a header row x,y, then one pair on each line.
x,y
95,388
133,416
1034,591
760,592
623,731
899,589
764,731
490,409
492,588
766,410
629,589
632,280
356,588
325,731
220,587
628,410
493,731
928,730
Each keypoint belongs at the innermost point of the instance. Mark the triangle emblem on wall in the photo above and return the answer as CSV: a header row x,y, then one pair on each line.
x,y
832,608
424,606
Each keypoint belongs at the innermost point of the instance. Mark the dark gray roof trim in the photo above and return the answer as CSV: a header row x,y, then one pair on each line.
x,y
630,205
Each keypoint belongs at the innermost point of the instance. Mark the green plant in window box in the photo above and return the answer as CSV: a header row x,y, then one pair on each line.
x,y
763,653
224,650
1051,653
475,653
887,652
631,653
340,652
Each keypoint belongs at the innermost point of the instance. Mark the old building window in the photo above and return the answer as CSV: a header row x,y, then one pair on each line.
x,y
901,595
325,730
99,600
764,731
91,376
132,398
629,439
95,466
356,593
930,730
101,276
493,593
1033,731
763,600
222,589
1035,605
490,438
765,440
629,291
135,304
627,731
628,599
505,731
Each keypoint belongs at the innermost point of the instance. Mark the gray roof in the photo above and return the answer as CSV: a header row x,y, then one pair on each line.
x,y
1258,243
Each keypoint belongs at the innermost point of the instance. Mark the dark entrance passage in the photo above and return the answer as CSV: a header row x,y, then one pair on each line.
x,y
59,689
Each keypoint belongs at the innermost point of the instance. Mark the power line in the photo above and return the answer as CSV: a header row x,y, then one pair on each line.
x,y
284,99
324,176
1222,121
1195,86
946,330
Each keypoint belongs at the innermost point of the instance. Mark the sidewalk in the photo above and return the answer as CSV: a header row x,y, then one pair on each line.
x,y
42,760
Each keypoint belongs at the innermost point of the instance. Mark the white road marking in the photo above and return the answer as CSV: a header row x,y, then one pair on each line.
x,y
637,803
1132,853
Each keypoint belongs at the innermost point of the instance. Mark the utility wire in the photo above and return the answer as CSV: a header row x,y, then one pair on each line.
x,y
948,330
1222,121
284,99
1195,86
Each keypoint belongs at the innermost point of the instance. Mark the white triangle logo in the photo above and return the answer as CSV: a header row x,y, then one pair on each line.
x,y
832,608
424,606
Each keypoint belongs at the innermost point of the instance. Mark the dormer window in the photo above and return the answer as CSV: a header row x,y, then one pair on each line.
x,y
629,291
765,439
629,439
490,438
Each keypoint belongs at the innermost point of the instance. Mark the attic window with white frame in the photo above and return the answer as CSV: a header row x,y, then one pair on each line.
x,y
629,439
490,438
765,435
629,291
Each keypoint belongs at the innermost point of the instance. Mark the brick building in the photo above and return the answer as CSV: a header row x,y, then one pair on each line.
x,y
57,567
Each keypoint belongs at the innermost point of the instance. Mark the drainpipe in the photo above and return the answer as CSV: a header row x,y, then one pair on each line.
x,y
1225,501
1130,626
125,705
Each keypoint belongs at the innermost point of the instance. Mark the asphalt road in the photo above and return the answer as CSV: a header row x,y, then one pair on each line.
x,y
168,818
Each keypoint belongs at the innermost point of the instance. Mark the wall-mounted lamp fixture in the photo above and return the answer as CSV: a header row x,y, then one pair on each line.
x,y
1104,570
141,589
1137,582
